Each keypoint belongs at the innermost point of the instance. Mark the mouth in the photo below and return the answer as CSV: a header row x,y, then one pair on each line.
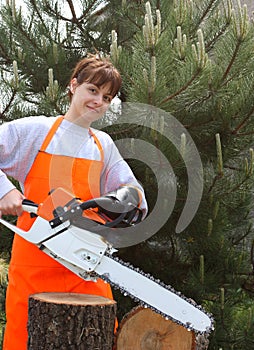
x,y
93,109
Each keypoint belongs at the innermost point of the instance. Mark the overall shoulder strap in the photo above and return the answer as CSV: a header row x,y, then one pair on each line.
x,y
98,144
51,133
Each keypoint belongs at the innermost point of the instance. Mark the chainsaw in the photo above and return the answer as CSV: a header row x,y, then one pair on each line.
x,y
82,236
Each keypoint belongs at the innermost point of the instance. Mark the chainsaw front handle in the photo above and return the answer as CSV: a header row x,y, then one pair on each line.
x,y
29,206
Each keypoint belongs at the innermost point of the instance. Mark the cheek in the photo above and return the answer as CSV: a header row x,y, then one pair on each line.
x,y
105,108
79,98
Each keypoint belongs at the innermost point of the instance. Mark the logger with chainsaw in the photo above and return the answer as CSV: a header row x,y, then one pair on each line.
x,y
47,153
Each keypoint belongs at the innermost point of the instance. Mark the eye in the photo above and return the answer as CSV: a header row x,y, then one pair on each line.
x,y
93,90
107,98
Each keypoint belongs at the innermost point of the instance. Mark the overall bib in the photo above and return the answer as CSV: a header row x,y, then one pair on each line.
x,y
31,271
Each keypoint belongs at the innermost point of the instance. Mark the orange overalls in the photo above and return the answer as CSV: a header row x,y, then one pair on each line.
x,y
32,271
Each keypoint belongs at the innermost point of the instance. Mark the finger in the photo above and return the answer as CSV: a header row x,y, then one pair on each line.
x,y
19,211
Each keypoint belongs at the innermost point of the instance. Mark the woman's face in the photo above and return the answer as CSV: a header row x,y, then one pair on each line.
x,y
89,102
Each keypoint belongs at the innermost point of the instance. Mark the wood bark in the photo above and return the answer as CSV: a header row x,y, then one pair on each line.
x,y
70,321
144,329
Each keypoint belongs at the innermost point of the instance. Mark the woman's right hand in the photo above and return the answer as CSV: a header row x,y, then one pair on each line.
x,y
11,203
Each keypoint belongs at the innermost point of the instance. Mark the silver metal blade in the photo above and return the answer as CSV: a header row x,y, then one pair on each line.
x,y
86,254
143,289
154,295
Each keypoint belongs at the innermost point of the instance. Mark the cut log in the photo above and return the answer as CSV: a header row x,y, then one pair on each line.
x,y
69,321
144,329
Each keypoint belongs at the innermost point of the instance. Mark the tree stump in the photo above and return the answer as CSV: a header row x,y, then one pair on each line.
x,y
144,329
70,321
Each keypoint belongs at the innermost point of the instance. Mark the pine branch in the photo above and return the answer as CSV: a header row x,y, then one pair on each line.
x,y
232,190
205,13
73,12
239,240
252,255
183,88
88,9
95,14
210,45
237,186
56,15
230,65
132,20
243,122
29,39
4,54
245,133
195,124
7,107
215,179
75,19
33,3
173,247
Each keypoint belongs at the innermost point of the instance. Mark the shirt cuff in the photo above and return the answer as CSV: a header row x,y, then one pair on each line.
x,y
5,185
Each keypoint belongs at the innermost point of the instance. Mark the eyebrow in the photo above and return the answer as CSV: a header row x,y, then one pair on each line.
x,y
100,86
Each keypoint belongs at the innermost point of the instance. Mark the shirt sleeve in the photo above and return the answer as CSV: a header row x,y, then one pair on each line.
x,y
19,144
121,174
9,153
117,172
5,185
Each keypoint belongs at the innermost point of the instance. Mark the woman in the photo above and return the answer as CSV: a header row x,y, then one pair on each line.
x,y
44,153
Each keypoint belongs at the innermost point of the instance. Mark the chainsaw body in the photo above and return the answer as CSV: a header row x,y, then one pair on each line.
x,y
79,235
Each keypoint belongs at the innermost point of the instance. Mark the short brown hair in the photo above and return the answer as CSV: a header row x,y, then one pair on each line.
x,y
98,71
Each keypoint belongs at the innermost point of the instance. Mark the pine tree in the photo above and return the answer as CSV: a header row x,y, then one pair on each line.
x,y
193,59
189,59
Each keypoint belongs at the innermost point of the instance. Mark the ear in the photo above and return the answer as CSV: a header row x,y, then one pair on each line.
x,y
73,85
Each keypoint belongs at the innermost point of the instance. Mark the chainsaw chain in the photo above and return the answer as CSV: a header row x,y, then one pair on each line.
x,y
202,342
201,337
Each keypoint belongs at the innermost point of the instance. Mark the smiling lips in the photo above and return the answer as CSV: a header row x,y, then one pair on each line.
x,y
93,109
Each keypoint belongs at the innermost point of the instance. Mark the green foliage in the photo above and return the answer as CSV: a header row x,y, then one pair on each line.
x,y
6,237
199,68
3,285
193,60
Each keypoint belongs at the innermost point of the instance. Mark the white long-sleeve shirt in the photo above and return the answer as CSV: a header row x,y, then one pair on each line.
x,y
21,139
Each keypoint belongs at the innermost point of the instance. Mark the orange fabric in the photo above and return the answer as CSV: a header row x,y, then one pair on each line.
x,y
58,197
32,271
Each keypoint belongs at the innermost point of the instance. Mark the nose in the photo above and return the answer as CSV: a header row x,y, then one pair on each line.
x,y
99,98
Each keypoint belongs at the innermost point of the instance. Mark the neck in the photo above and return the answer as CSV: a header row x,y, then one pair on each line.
x,y
78,120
